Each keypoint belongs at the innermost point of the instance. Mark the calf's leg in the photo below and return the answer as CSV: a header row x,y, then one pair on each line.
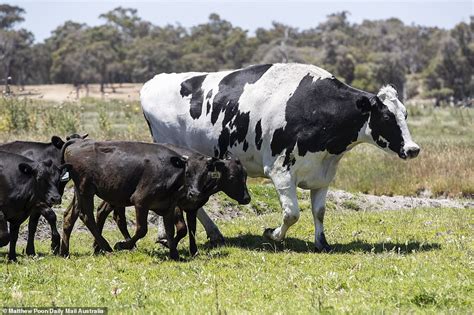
x,y
32,226
86,213
50,217
4,236
14,229
102,213
168,221
70,217
140,232
180,225
212,231
318,202
191,218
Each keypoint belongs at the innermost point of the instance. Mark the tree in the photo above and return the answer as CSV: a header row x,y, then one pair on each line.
x,y
10,15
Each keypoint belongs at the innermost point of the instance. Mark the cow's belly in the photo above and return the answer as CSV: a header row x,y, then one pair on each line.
x,y
315,170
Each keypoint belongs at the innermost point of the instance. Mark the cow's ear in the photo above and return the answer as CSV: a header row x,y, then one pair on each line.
x,y
179,162
364,104
57,142
26,168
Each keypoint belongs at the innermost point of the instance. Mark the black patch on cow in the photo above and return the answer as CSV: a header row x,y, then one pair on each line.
x,y
226,100
258,135
216,152
383,123
192,86
208,97
246,146
223,142
320,115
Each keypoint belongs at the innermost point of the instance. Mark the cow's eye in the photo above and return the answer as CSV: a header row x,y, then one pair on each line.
x,y
406,115
386,117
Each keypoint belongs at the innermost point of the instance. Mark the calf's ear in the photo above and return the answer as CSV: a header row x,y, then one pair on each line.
x,y
57,142
26,168
364,104
178,162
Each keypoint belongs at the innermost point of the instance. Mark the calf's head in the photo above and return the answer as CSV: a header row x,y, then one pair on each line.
x,y
387,123
46,179
206,176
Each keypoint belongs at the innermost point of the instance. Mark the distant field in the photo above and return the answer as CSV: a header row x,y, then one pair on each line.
x,y
67,92
445,166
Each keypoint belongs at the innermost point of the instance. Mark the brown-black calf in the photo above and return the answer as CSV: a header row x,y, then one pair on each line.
x,y
24,186
144,175
206,176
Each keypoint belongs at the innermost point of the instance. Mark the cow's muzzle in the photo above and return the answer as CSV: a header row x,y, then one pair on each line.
x,y
410,151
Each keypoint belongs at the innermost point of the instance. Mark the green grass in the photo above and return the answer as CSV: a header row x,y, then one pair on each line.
x,y
417,260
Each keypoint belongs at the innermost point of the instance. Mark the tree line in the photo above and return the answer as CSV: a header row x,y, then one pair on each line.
x,y
420,61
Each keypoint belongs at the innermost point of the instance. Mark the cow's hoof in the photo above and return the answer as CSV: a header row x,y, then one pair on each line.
x,y
322,245
217,241
163,241
30,251
122,246
268,234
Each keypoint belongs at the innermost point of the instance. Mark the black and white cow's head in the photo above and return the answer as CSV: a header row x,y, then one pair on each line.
x,y
387,124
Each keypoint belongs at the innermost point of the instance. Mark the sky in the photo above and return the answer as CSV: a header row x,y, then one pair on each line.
x,y
43,16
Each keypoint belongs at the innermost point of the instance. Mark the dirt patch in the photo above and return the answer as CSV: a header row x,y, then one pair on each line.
x,y
362,202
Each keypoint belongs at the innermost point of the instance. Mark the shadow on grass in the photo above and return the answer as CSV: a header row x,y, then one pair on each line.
x,y
259,243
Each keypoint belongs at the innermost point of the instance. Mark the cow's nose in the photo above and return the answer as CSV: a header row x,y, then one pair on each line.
x,y
246,200
55,200
413,153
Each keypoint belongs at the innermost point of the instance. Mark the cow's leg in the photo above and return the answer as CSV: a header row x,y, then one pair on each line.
x,y
32,226
103,212
168,221
318,202
14,229
70,217
85,204
140,232
286,189
212,231
4,235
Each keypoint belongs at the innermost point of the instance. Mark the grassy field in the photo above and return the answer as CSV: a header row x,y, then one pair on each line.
x,y
445,165
417,260
412,260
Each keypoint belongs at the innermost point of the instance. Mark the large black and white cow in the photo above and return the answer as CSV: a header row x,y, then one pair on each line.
x,y
291,123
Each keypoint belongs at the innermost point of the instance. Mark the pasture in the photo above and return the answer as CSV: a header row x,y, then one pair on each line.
x,y
412,259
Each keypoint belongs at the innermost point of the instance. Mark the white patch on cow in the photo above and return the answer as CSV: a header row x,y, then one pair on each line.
x,y
388,95
382,139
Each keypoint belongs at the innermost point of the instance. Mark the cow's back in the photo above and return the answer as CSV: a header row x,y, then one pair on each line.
x,y
236,111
